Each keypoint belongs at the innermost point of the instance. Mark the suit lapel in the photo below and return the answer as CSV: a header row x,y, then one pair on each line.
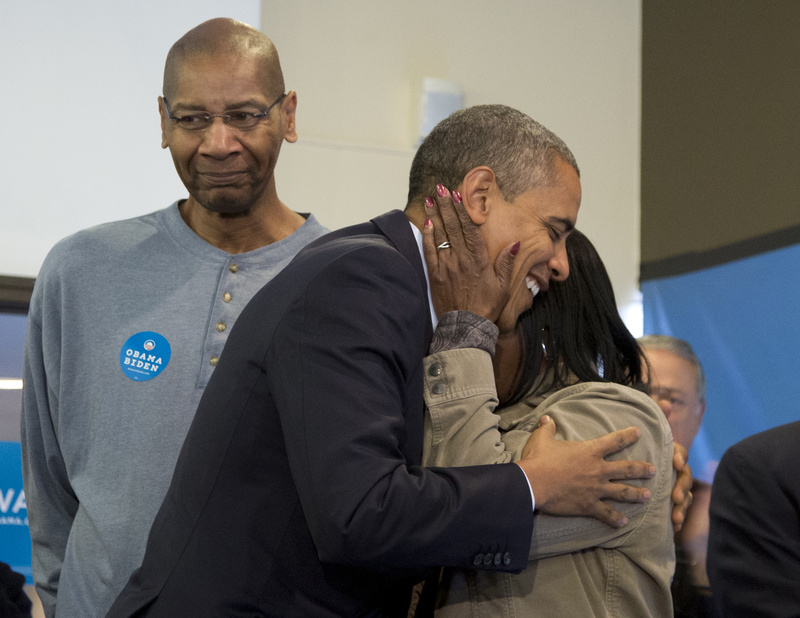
x,y
395,226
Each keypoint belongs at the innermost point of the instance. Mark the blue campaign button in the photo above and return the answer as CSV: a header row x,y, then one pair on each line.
x,y
144,356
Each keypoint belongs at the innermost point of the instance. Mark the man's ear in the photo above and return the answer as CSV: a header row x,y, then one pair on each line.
x,y
476,192
162,112
288,109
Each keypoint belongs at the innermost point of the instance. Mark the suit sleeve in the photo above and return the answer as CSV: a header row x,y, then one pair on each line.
x,y
349,389
462,429
49,497
754,536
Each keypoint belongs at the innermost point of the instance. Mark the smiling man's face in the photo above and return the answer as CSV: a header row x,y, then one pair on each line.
x,y
226,170
540,219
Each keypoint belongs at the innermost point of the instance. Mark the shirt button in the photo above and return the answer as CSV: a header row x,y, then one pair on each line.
x,y
227,297
221,327
435,369
213,361
438,388
234,268
478,560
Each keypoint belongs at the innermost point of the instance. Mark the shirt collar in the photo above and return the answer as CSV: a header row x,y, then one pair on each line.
x,y
418,238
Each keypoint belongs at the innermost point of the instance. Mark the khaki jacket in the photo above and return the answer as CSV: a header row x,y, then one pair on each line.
x,y
578,566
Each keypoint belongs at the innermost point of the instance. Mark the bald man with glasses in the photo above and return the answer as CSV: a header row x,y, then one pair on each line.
x,y
128,319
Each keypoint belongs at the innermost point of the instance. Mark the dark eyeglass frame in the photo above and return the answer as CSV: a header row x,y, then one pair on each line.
x,y
202,120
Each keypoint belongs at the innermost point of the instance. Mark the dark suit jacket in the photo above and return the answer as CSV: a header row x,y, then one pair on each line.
x,y
754,536
298,491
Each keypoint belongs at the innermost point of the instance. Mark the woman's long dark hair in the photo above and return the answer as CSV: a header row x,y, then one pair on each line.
x,y
574,329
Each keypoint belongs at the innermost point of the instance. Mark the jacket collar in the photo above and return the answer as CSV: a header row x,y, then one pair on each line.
x,y
395,226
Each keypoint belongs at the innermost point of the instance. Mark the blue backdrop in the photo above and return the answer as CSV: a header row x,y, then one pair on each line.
x,y
15,537
15,540
742,320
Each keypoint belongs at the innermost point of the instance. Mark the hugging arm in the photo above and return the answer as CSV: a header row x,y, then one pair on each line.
x,y
461,430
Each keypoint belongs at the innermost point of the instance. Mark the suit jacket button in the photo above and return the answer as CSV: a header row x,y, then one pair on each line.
x,y
506,558
478,560
435,369
488,559
498,558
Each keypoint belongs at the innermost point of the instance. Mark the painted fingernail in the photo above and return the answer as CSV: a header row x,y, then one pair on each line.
x,y
428,223
645,495
428,201
440,189
456,197
515,248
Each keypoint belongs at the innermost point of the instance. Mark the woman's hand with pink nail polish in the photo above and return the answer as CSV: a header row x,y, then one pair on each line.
x,y
460,274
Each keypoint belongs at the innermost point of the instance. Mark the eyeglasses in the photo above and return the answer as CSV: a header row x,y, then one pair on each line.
x,y
237,119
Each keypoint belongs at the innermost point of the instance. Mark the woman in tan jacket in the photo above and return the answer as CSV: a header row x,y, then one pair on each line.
x,y
570,358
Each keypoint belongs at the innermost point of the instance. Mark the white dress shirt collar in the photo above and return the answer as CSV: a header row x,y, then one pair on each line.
x,y
418,237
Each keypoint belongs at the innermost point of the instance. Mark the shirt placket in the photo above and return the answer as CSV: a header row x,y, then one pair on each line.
x,y
227,306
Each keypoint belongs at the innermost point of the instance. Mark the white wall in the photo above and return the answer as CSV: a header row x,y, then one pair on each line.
x,y
80,133
574,65
80,137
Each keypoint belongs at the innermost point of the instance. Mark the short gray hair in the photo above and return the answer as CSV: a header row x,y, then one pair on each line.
x,y
679,348
521,152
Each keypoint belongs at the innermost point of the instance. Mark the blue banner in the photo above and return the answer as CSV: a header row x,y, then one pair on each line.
x,y
741,319
15,537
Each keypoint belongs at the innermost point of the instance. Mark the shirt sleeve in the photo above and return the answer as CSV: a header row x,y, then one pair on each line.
x,y
464,329
50,500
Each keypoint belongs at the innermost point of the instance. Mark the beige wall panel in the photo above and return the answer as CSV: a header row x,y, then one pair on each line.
x,y
357,65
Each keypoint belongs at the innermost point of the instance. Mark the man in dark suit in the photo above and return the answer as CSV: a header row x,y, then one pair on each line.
x,y
754,539
298,491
